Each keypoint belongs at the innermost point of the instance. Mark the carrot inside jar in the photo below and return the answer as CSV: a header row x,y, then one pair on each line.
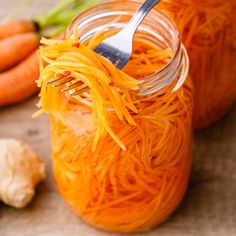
x,y
121,160
208,31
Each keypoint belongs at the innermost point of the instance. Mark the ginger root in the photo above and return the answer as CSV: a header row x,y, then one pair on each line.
x,y
20,171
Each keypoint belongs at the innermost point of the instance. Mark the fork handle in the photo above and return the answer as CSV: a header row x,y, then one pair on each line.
x,y
139,15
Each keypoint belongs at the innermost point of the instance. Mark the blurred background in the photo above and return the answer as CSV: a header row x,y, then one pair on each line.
x,y
209,207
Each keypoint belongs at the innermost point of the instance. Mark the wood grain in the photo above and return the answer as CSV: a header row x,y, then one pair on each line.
x,y
209,207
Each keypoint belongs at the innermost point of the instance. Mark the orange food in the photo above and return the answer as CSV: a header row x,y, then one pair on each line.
x,y
18,26
18,83
207,29
208,32
121,161
16,48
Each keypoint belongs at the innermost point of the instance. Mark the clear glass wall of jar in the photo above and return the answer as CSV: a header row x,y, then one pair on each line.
x,y
207,30
208,33
136,189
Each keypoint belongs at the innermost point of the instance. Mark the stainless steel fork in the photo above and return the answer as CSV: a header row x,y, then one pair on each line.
x,y
117,48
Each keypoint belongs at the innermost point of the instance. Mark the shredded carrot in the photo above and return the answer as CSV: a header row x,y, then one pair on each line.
x,y
208,30
108,87
121,161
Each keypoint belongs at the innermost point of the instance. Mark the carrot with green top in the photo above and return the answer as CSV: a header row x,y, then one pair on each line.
x,y
19,38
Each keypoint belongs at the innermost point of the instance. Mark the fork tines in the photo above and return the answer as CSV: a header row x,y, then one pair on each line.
x,y
73,89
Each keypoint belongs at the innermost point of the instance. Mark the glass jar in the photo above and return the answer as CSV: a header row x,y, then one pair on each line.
x,y
138,188
207,30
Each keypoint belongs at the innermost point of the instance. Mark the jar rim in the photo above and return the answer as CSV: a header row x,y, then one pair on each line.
x,y
178,49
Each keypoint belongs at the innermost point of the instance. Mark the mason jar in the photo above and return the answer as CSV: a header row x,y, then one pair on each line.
x,y
208,33
136,188
207,30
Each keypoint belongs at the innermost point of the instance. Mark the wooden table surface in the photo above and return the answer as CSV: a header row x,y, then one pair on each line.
x,y
209,207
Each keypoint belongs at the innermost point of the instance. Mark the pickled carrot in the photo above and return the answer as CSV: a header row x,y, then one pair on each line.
x,y
120,160
208,31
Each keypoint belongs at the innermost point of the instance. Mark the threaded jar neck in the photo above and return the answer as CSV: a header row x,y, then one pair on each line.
x,y
156,27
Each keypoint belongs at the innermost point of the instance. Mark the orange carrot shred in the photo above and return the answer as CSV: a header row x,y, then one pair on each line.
x,y
208,30
122,162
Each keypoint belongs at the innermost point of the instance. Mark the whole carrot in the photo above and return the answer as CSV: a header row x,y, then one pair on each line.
x,y
18,26
16,48
18,83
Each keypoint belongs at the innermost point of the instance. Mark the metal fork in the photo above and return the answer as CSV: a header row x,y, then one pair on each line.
x,y
117,48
